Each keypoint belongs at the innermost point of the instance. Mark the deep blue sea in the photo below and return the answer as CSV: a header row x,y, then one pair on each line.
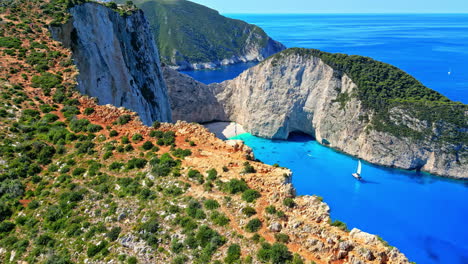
x,y
424,216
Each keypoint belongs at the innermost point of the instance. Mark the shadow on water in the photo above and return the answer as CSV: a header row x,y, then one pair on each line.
x,y
364,181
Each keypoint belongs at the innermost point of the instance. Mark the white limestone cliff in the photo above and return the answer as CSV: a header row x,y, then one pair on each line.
x,y
299,94
117,59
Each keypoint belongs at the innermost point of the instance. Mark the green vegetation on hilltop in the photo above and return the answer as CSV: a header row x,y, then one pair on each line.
x,y
382,88
189,32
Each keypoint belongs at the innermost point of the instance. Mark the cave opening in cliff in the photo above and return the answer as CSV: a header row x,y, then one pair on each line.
x,y
299,136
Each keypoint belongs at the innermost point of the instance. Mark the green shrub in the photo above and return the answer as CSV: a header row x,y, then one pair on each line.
x,y
206,235
10,42
278,253
122,120
137,137
46,81
340,225
253,225
114,233
233,254
92,128
70,111
248,168
176,246
86,147
271,209
249,211
156,134
79,125
136,163
289,202
132,260
44,240
164,165
196,175
181,153
115,165
49,118
194,210
113,133
219,219
211,204
156,124
6,226
93,250
147,145
125,140
282,238
212,175
45,108
34,204
250,195
235,186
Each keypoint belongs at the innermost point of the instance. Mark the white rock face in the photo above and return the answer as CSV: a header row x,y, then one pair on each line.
x,y
296,93
117,59
191,100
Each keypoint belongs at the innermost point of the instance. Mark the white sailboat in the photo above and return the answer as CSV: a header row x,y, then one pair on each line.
x,y
357,175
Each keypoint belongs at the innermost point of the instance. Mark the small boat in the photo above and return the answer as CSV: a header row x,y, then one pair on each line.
x,y
357,175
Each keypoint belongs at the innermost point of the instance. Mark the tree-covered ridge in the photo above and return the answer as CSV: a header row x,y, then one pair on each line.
x,y
189,32
382,88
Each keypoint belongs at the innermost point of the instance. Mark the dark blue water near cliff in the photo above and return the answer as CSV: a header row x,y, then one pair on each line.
x,y
423,215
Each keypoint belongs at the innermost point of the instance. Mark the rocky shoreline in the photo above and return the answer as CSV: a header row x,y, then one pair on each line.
x,y
307,223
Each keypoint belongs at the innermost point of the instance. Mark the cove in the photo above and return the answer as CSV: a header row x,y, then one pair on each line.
x,y
421,214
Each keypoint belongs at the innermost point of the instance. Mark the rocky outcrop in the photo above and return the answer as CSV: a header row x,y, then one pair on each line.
x,y
191,100
300,93
117,59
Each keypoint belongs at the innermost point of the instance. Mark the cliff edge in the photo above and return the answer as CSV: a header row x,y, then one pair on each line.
x,y
117,59
354,104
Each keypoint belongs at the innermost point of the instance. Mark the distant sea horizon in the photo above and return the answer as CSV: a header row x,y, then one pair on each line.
x,y
429,46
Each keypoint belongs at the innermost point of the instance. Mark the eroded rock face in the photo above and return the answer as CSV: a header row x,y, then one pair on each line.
x,y
300,93
191,101
117,59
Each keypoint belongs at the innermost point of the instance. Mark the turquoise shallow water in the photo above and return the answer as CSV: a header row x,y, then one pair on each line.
x,y
423,215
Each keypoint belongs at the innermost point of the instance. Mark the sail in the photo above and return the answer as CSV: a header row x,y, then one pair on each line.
x,y
359,168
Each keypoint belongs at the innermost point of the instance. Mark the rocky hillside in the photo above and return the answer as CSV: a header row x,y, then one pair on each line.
x,y
88,183
192,36
191,100
354,104
117,59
